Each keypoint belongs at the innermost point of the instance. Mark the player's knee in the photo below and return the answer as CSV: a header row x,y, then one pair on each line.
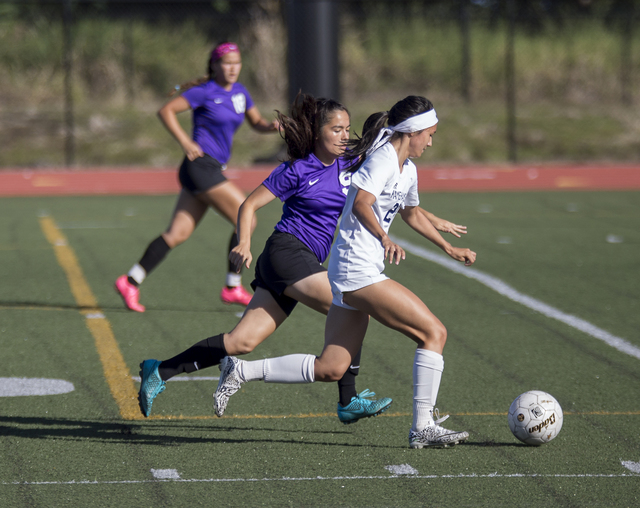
x,y
330,373
175,238
439,335
240,346
434,337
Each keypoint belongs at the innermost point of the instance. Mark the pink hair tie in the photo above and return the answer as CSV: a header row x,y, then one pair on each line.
x,y
223,49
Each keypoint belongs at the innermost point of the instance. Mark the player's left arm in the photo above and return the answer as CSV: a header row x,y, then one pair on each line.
x,y
442,225
260,123
419,222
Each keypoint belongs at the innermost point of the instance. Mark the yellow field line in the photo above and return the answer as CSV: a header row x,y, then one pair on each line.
x,y
115,369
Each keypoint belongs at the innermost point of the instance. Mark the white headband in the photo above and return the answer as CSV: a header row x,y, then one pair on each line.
x,y
411,124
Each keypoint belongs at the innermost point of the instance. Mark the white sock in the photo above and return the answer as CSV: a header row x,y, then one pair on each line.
x,y
283,369
233,279
290,369
137,273
251,371
427,373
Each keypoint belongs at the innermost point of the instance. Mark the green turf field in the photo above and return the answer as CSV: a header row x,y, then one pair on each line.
x,y
553,303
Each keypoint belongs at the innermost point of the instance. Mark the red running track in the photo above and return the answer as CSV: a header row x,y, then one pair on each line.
x,y
136,180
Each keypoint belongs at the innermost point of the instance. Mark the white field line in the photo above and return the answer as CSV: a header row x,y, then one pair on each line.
x,y
504,289
330,478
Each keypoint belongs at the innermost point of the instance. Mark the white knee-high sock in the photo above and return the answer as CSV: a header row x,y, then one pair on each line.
x,y
427,373
283,369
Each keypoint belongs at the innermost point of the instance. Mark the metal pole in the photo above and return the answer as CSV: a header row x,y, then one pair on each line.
x,y
69,141
511,86
128,60
466,51
313,48
625,56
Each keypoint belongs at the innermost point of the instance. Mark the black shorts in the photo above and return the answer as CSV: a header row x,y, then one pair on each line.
x,y
284,261
200,175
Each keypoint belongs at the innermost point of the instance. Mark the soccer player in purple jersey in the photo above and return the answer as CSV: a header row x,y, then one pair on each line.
x,y
313,185
384,185
219,104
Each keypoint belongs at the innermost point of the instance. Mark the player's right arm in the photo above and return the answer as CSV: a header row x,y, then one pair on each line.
x,y
241,253
169,116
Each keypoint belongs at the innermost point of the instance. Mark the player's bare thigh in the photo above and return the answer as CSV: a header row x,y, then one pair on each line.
x,y
225,198
399,308
313,291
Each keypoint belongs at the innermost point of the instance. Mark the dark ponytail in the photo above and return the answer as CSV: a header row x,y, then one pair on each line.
x,y
401,110
302,127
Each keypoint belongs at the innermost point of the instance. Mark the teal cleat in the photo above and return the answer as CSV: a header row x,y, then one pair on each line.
x,y
150,385
363,405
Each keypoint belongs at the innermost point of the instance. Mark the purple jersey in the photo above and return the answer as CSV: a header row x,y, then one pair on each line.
x,y
313,196
217,114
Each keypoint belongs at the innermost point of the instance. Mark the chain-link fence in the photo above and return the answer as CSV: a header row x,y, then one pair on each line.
x,y
511,79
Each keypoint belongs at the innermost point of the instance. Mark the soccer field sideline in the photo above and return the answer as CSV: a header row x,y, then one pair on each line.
x,y
478,178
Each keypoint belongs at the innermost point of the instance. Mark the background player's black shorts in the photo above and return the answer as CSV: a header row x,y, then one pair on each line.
x,y
200,175
284,261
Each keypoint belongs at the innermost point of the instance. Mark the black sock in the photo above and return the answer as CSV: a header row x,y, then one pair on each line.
x,y
133,281
233,242
206,353
155,253
347,385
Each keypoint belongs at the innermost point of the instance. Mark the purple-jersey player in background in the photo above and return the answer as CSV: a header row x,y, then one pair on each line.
x,y
219,104
313,185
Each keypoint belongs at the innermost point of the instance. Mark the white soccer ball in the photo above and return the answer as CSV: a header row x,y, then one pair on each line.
x,y
535,417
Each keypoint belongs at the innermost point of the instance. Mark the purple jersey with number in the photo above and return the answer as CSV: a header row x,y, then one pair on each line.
x,y
313,196
217,114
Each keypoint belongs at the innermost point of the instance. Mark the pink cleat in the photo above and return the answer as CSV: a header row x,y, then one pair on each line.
x,y
237,294
129,293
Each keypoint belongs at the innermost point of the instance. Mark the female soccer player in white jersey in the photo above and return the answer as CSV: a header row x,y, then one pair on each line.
x,y
384,185
313,185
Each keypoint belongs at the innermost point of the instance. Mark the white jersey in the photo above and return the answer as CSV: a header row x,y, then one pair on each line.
x,y
357,257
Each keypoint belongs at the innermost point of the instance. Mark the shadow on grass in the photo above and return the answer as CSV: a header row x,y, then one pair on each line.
x,y
31,305
158,433
492,444
176,434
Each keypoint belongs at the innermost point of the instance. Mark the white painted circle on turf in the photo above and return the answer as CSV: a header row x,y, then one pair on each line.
x,y
25,386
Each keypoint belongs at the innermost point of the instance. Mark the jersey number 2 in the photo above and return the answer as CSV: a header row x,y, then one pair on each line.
x,y
391,213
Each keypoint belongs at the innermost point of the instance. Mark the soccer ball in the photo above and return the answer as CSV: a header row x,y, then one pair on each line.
x,y
535,417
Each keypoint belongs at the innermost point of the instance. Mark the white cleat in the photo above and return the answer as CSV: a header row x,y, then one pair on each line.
x,y
436,436
228,384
